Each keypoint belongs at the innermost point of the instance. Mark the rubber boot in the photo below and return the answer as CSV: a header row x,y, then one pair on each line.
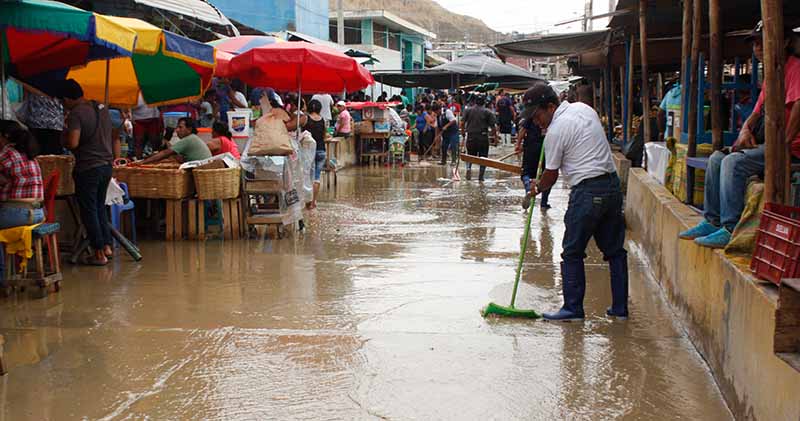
x,y
618,267
482,173
574,287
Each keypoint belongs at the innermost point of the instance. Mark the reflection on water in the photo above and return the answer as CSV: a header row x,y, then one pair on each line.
x,y
372,312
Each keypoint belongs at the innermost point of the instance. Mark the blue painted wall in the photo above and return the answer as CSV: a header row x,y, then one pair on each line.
x,y
307,16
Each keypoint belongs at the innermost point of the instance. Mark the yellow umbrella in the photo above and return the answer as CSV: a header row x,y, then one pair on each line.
x,y
165,68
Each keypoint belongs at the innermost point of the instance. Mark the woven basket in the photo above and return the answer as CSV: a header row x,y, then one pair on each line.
x,y
64,164
156,182
216,184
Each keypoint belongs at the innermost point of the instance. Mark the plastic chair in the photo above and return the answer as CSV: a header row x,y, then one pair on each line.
x,y
116,214
50,191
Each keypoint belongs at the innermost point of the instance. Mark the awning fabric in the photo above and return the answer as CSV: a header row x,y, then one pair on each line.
x,y
468,70
197,9
554,45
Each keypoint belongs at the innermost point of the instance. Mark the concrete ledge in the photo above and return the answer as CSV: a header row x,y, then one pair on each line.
x,y
623,166
727,313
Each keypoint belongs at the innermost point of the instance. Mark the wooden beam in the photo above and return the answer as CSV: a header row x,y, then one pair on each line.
x,y
697,33
776,184
613,93
715,71
645,76
492,163
686,49
629,87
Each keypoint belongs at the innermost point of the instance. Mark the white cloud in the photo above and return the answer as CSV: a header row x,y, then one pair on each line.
x,y
527,15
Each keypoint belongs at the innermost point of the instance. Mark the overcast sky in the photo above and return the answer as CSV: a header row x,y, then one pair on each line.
x,y
527,15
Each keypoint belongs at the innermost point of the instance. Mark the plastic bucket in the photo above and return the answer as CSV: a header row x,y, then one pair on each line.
x,y
239,122
204,133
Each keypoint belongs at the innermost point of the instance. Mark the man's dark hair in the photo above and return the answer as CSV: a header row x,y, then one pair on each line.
x,y
480,101
540,95
70,89
189,123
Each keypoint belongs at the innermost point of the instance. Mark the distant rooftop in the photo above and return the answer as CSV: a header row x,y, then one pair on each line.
x,y
385,18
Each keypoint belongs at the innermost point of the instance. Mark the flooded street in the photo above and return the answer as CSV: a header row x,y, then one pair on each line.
x,y
372,313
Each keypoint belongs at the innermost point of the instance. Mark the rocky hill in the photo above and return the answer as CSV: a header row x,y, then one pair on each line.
x,y
448,26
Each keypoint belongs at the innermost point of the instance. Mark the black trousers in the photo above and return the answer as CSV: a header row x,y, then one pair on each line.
x,y
477,146
90,189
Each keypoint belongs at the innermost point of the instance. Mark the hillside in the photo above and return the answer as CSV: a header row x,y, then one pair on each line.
x,y
428,14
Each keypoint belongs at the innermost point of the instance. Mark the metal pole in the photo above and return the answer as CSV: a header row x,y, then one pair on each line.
x,y
2,76
108,74
339,22
686,49
776,153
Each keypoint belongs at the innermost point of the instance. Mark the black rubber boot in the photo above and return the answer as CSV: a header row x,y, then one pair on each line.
x,y
573,278
618,266
481,173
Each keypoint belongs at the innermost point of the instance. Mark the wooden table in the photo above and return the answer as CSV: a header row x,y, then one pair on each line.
x,y
364,140
331,151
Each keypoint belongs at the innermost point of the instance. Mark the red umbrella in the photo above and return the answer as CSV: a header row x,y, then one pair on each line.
x,y
300,65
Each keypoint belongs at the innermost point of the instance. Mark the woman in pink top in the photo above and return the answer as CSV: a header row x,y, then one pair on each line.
x,y
221,141
343,122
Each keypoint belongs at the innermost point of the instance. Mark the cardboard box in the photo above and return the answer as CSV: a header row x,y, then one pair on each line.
x,y
381,126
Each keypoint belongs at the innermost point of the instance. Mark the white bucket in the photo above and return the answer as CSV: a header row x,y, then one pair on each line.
x,y
239,122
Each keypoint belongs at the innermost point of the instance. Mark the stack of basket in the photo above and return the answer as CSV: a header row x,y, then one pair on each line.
x,y
159,181
64,164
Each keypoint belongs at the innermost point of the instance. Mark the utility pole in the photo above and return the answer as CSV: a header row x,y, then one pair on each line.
x,y
587,16
339,22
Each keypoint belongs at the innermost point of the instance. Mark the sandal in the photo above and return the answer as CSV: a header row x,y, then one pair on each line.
x,y
93,261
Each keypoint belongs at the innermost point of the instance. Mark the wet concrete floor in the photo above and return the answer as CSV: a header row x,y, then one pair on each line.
x,y
372,313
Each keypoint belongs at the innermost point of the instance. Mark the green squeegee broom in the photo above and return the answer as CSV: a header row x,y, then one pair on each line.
x,y
512,311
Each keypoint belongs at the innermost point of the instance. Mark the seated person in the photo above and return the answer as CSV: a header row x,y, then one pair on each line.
x,y
221,141
21,187
726,175
189,148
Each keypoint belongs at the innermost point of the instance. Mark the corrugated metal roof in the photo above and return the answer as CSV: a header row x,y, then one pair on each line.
x,y
197,9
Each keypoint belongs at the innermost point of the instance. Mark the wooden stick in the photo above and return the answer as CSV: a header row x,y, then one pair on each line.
x,y
697,27
645,76
777,165
493,163
715,71
504,157
629,115
613,92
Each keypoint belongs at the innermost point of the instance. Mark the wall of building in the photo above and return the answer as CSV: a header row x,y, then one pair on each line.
x,y
307,16
389,60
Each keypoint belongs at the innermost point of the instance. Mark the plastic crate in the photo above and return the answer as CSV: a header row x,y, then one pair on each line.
x,y
777,253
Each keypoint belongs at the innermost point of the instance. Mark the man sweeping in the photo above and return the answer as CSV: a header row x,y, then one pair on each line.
x,y
575,146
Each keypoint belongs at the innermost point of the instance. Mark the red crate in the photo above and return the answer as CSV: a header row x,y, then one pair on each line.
x,y
777,253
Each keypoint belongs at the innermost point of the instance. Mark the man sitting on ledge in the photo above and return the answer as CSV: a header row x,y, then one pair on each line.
x,y
726,175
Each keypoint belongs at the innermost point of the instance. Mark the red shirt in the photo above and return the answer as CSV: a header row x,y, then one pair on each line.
x,y
23,175
227,145
792,89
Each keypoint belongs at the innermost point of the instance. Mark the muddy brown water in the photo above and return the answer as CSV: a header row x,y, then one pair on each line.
x,y
372,313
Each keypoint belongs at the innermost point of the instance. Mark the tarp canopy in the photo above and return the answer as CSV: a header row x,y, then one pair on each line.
x,y
468,70
197,9
554,45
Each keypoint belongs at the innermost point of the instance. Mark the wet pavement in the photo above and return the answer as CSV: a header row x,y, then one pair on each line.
x,y
372,313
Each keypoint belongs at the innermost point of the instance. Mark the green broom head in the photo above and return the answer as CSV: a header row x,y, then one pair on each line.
x,y
504,311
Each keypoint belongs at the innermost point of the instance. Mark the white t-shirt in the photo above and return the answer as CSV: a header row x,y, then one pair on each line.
x,y
241,98
576,144
142,111
327,102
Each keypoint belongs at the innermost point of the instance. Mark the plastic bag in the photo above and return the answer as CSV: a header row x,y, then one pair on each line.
x,y
308,153
114,194
291,198
270,137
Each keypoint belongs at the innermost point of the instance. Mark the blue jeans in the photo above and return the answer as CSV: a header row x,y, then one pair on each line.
x,y
450,144
595,210
526,180
319,164
90,189
726,185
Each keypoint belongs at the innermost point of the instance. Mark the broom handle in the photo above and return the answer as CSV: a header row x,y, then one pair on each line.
x,y
527,230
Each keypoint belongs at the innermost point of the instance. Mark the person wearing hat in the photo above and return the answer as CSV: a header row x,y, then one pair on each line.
x,y
576,147
478,122
344,122
726,174
87,134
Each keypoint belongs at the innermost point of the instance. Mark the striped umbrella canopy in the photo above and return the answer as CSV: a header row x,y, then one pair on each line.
x,y
165,68
229,48
38,36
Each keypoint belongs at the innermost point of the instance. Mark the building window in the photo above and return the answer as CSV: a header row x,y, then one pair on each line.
x,y
394,41
352,32
379,34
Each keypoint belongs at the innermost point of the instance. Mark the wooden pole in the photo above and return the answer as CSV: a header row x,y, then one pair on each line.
x,y
686,49
613,93
697,26
645,76
622,102
629,114
715,71
776,186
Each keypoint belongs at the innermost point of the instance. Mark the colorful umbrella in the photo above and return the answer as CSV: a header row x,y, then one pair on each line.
x,y
229,48
165,68
38,36
300,65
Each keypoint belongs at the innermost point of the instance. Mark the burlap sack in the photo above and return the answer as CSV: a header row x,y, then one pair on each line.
x,y
270,137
